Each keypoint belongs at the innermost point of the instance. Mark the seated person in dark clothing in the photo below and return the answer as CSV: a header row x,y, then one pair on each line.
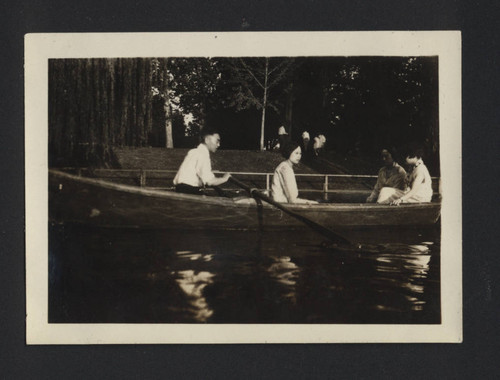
x,y
390,175
195,172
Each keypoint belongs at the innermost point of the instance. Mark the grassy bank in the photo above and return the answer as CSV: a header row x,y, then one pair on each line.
x,y
240,161
246,161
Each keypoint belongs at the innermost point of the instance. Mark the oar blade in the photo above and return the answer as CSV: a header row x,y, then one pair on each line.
x,y
333,236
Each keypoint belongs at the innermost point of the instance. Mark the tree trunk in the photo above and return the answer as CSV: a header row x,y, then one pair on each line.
x,y
169,142
264,103
288,110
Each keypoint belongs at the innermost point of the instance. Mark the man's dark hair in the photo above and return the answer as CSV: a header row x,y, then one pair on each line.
x,y
207,131
288,148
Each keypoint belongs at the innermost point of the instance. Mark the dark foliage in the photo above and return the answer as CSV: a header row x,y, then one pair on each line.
x,y
361,104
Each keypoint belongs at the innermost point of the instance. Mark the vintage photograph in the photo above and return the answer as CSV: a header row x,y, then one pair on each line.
x,y
190,187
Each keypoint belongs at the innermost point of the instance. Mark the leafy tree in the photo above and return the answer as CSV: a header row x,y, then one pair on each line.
x,y
252,80
194,87
360,103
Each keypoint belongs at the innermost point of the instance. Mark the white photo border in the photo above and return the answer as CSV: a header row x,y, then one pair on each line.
x,y
39,48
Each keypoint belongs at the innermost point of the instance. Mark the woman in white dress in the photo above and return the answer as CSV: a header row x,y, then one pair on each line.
x,y
284,187
419,180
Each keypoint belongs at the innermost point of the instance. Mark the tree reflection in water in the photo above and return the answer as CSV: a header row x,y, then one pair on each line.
x,y
162,276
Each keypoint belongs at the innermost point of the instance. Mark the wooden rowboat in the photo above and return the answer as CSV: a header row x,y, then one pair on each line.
x,y
99,202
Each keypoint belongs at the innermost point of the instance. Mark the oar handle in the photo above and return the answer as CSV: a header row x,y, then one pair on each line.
x,y
241,184
259,194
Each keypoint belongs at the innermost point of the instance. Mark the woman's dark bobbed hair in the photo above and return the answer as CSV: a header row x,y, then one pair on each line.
x,y
414,150
289,147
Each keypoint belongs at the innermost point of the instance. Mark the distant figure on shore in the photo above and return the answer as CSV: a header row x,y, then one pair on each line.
x,y
283,138
272,144
306,145
390,175
419,179
319,143
195,172
306,140
284,187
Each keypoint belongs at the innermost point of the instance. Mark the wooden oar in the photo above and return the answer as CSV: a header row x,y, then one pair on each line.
x,y
335,237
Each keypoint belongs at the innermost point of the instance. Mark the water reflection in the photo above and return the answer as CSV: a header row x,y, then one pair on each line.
x,y
405,268
111,275
193,283
285,272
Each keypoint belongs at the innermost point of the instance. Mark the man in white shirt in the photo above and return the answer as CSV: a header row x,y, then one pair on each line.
x,y
195,171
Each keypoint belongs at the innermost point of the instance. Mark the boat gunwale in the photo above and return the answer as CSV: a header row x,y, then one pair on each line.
x,y
215,200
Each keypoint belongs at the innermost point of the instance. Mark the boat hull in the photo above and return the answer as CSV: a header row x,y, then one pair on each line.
x,y
96,202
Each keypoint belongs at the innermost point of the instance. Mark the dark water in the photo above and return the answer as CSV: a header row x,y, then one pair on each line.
x,y
161,276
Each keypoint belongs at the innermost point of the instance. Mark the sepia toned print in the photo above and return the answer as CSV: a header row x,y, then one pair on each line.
x,y
160,188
